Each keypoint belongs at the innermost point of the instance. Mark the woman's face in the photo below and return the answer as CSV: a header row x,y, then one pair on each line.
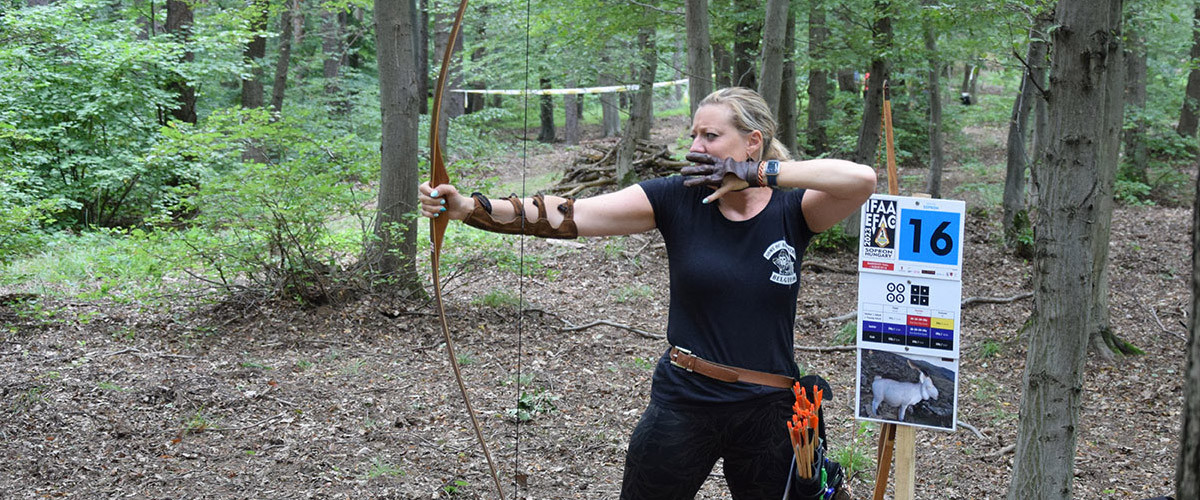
x,y
713,133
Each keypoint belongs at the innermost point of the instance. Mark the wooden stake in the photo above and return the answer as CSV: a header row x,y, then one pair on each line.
x,y
887,440
906,462
893,176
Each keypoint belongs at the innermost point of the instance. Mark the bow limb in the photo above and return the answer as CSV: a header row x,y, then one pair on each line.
x,y
437,230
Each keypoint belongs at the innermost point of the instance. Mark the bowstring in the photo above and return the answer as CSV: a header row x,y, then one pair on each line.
x,y
521,260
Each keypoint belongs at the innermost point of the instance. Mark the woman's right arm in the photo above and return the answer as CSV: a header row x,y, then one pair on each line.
x,y
627,211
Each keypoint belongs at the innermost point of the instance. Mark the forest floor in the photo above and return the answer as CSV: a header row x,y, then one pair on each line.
x,y
103,399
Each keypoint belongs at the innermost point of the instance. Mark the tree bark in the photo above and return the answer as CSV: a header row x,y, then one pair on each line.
x,y
395,254
475,102
746,37
787,96
818,80
1104,340
285,55
609,106
546,113
1086,54
641,113
256,49
571,118
868,131
937,159
1190,114
421,41
1016,216
179,21
1187,467
699,53
723,61
1136,153
642,107
846,81
774,34
453,103
334,47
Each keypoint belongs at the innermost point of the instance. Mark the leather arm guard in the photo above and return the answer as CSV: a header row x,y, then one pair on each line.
x,y
481,217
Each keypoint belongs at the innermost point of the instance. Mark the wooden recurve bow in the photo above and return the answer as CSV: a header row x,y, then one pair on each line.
x,y
437,229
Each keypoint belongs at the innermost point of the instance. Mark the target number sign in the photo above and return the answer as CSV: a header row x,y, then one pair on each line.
x,y
930,237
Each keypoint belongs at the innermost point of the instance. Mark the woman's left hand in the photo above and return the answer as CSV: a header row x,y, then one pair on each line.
x,y
726,175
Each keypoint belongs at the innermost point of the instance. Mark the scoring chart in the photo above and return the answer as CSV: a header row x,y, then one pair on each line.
x,y
909,314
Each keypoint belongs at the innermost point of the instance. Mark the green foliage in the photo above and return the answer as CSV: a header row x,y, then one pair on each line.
x,y
22,215
274,225
990,348
83,98
632,293
379,468
847,334
857,455
529,405
119,265
833,240
499,299
452,488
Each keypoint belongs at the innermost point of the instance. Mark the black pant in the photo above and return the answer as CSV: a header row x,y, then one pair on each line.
x,y
673,450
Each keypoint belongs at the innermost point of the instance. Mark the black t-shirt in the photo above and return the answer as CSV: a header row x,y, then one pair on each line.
x,y
733,290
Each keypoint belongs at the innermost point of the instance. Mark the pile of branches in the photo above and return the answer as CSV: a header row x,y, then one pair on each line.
x,y
596,166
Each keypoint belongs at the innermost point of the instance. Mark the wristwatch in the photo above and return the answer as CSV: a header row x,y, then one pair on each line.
x,y
772,172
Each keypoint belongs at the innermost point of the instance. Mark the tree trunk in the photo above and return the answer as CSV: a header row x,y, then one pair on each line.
x,y
818,80
285,53
641,113
421,41
1016,216
610,109
333,46
256,49
1187,467
677,90
453,103
1136,154
699,54
179,21
724,65
846,80
787,95
395,254
774,34
1190,113
354,29
747,34
475,102
933,182
868,131
964,91
546,114
1087,52
1104,340
571,120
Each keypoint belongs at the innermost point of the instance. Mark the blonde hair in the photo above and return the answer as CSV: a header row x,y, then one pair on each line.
x,y
750,113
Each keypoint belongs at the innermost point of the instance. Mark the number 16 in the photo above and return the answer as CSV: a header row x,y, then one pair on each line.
x,y
940,242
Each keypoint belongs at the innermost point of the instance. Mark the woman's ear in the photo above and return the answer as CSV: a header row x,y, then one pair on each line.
x,y
754,144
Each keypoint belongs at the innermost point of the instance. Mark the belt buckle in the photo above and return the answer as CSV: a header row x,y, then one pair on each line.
x,y
682,350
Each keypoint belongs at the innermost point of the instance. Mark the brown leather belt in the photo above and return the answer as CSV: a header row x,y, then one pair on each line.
x,y
683,358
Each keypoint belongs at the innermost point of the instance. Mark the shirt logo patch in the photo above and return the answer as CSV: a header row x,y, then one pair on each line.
x,y
783,256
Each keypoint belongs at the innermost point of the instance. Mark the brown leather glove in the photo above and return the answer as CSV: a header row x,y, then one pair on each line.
x,y
711,171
